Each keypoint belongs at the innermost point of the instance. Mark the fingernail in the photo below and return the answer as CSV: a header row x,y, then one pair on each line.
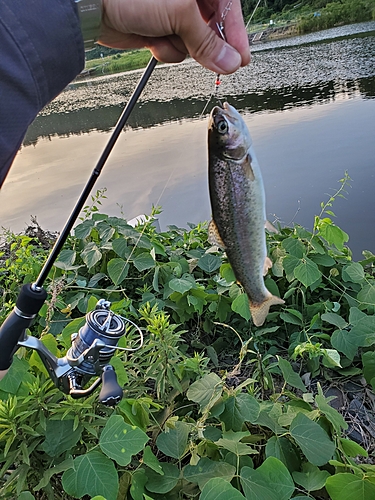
x,y
229,59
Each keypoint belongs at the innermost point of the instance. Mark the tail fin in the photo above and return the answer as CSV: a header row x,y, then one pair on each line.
x,y
259,311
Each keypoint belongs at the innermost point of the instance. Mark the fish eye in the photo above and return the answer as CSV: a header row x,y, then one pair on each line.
x,y
222,127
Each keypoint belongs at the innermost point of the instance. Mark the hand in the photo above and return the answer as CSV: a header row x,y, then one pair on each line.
x,y
171,29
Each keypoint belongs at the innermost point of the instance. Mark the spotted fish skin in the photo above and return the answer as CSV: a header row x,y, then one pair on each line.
x,y
238,206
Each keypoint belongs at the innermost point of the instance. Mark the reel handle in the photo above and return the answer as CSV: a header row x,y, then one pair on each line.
x,y
111,392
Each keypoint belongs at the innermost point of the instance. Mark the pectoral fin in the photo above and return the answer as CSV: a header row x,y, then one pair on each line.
x,y
267,265
248,169
270,227
214,236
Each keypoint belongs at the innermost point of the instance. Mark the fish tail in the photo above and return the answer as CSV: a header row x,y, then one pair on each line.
x,y
259,311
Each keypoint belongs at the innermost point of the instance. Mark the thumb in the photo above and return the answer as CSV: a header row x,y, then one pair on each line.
x,y
206,47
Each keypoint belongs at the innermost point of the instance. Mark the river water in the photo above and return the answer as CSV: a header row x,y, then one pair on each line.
x,y
309,103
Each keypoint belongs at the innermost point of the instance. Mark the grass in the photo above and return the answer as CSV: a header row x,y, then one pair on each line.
x,y
125,61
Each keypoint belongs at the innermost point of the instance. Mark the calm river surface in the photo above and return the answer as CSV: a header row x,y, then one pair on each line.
x,y
309,103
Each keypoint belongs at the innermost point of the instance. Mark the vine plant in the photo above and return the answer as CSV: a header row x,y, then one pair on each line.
x,y
213,407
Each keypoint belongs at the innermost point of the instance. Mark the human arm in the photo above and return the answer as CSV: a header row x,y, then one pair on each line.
x,y
41,51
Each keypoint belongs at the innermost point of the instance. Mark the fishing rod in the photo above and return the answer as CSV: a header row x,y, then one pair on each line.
x,y
96,342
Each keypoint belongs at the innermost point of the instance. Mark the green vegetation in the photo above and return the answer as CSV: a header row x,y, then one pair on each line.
x,y
309,15
213,407
117,63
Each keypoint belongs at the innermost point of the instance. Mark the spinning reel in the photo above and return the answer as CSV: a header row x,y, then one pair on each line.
x,y
96,342
92,349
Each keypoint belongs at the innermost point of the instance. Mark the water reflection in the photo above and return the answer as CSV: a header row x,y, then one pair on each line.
x,y
310,109
152,113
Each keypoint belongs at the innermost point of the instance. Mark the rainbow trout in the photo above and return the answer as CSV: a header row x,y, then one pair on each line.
x,y
238,206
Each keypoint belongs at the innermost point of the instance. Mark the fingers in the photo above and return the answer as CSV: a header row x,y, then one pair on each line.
x,y
204,45
173,28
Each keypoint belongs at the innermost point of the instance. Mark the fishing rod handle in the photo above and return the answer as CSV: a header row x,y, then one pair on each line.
x,y
28,304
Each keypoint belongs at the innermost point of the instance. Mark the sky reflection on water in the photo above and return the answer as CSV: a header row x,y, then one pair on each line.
x,y
305,135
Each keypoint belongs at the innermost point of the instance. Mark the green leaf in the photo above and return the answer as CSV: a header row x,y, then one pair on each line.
x,y
137,488
83,230
144,261
238,410
331,414
256,486
60,437
270,422
207,469
91,255
120,246
367,294
151,461
290,318
158,484
219,489
117,270
13,379
209,263
322,259
231,442
331,358
93,474
289,264
206,391
307,272
368,361
72,327
353,272
26,495
241,306
56,469
121,441
345,342
227,273
290,376
277,475
345,486
312,478
294,247
352,449
333,234
284,450
66,260
334,319
173,443
121,373
312,439
181,285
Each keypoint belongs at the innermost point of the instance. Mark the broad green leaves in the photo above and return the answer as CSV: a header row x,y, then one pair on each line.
x,y
173,442
311,478
208,469
271,481
219,489
238,410
312,439
206,391
93,474
345,486
121,441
